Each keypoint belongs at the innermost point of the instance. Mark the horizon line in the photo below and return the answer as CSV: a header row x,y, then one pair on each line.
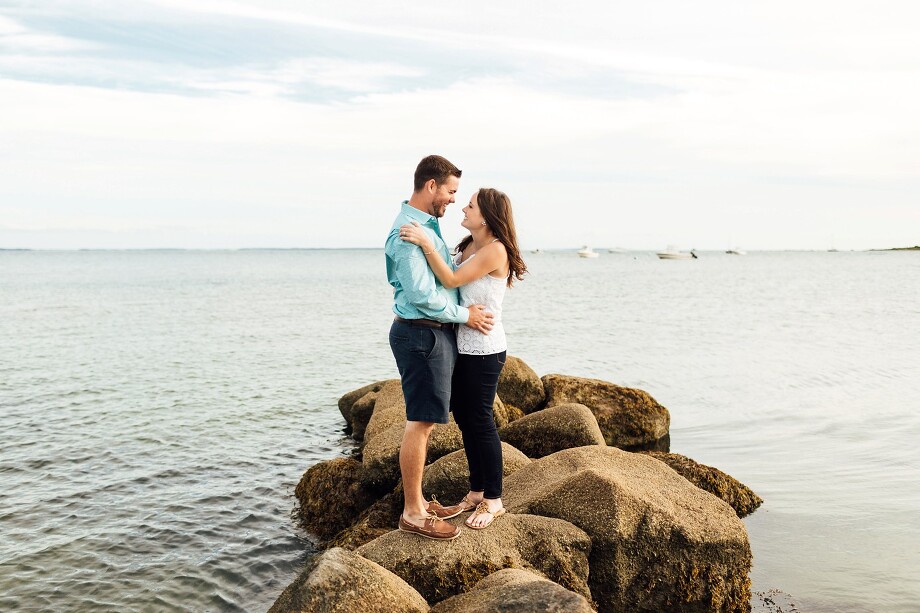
x,y
523,250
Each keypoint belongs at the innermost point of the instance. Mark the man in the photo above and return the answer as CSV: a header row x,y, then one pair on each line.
x,y
423,339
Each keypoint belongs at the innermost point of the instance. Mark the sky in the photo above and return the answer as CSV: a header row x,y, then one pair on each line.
x,y
281,123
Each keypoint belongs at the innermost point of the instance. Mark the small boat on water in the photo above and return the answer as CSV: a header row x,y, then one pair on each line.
x,y
587,252
672,253
537,250
736,251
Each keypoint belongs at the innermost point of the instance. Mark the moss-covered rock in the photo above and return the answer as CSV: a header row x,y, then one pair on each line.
x,y
340,581
520,386
448,478
629,418
513,590
438,570
331,495
741,498
378,519
658,542
553,429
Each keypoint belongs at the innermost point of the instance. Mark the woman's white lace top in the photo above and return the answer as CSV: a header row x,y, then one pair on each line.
x,y
489,291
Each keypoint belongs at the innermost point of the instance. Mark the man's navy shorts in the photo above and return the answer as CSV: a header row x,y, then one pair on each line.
x,y
425,358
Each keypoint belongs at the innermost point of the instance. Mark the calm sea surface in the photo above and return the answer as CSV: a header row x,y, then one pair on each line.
x,y
157,408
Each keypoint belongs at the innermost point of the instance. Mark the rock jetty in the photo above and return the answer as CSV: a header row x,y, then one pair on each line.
x,y
601,516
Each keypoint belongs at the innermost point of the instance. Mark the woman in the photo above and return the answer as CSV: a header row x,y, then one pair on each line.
x,y
486,262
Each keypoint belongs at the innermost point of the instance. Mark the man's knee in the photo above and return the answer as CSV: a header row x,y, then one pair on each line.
x,y
419,427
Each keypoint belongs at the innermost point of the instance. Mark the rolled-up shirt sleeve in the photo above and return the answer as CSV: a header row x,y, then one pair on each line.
x,y
418,284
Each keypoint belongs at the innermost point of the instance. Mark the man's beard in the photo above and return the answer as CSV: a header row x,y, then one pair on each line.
x,y
439,209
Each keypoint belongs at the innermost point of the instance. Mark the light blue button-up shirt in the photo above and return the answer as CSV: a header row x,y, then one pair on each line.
x,y
417,292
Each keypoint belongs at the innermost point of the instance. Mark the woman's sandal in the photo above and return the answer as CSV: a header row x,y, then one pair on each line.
x,y
482,509
467,504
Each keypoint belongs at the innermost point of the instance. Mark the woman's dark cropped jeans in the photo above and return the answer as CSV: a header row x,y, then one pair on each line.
x,y
472,394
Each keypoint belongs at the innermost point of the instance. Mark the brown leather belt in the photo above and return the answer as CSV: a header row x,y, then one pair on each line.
x,y
425,323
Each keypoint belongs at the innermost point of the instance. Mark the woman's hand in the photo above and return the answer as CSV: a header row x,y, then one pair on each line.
x,y
413,233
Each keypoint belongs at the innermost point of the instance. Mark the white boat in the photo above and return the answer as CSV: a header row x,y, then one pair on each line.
x,y
672,253
537,250
587,252
736,251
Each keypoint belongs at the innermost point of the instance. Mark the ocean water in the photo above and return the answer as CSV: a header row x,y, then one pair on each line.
x,y
157,408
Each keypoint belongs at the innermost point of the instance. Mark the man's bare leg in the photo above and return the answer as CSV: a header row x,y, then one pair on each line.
x,y
412,455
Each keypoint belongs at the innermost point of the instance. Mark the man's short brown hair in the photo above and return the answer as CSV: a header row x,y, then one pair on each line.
x,y
434,167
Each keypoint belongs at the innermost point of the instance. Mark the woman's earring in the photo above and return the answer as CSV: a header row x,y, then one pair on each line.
x,y
482,223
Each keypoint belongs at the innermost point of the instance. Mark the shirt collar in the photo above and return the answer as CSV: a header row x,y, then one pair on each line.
x,y
420,216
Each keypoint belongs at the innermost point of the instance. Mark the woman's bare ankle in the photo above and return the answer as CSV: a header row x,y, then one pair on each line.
x,y
494,504
474,497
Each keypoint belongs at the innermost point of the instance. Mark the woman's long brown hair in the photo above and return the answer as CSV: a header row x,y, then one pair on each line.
x,y
496,210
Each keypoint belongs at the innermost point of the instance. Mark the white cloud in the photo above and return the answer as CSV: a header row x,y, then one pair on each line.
x,y
289,77
16,38
731,122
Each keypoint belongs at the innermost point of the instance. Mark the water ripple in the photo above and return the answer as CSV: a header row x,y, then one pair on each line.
x,y
158,408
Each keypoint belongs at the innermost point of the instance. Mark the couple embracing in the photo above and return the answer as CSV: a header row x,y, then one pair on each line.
x,y
448,340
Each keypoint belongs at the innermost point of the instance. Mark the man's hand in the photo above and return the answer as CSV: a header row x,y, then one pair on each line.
x,y
480,319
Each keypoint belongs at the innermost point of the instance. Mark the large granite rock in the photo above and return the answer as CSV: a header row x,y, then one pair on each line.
x,y
438,570
658,542
513,590
448,478
361,412
553,429
520,386
629,418
389,410
331,495
381,453
383,437
340,581
741,498
348,400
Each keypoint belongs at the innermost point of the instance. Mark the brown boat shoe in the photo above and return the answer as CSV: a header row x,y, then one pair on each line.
x,y
433,528
443,512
